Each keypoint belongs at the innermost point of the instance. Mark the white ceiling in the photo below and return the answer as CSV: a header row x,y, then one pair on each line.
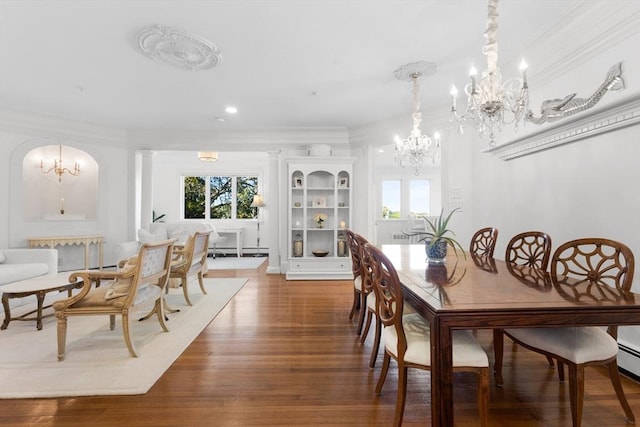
x,y
79,59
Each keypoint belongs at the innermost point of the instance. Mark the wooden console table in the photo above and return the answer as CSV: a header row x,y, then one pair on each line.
x,y
52,242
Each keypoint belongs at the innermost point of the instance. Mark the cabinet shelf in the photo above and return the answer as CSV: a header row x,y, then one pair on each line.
x,y
319,185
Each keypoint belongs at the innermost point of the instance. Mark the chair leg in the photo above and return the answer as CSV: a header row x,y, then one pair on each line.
x,y
483,396
356,303
576,392
183,281
363,310
126,331
367,325
402,395
617,386
383,372
112,322
376,344
62,335
159,310
560,367
201,282
498,355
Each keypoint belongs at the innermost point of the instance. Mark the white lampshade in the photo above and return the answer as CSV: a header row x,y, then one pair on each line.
x,y
208,156
258,201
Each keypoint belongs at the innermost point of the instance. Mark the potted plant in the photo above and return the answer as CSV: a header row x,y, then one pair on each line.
x,y
438,237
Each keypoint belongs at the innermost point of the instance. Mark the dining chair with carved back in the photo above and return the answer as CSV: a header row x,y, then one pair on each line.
x,y
406,339
356,247
527,254
483,241
584,268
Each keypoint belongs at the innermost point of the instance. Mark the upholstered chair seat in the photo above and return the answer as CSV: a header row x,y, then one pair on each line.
x,y
466,351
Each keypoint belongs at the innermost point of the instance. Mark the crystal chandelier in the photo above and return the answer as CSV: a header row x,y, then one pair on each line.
x,y
58,168
490,103
416,149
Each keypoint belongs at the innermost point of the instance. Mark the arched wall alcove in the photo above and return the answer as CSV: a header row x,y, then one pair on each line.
x,y
51,196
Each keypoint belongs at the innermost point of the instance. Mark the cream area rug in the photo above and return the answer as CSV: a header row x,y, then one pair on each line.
x,y
234,263
97,360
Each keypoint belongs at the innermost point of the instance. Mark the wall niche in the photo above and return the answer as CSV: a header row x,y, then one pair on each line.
x,y
52,196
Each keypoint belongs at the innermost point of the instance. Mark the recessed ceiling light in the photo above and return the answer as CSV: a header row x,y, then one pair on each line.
x,y
231,109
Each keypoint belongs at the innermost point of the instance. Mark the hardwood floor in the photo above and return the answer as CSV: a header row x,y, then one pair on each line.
x,y
284,353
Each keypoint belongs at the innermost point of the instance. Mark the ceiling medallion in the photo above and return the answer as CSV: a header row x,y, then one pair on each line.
x,y
167,45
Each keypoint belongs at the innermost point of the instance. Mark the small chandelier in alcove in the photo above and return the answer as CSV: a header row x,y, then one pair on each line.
x,y
58,168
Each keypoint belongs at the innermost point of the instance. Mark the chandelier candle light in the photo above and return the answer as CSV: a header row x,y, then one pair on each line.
x,y
58,167
490,103
417,148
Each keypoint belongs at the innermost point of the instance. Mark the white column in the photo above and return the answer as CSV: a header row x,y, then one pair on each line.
x,y
146,190
272,212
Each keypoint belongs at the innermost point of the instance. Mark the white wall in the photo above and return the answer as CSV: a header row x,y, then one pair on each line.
x,y
586,188
170,166
104,145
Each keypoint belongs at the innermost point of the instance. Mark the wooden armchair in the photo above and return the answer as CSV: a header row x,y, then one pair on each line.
x,y
190,260
138,288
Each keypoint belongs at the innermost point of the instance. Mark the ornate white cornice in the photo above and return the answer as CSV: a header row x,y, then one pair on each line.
x,y
623,113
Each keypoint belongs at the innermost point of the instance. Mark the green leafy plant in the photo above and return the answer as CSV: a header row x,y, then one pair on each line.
x,y
156,218
437,230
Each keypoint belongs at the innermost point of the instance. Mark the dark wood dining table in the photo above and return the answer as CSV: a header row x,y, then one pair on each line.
x,y
479,293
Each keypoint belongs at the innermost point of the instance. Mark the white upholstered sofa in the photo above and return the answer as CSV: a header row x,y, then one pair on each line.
x,y
179,230
24,263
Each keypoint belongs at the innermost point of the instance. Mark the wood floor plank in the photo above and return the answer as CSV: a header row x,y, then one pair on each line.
x,y
283,353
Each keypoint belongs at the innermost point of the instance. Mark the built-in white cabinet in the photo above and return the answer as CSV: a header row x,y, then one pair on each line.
x,y
319,209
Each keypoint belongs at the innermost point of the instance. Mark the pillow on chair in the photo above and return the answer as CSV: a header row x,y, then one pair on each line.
x,y
145,236
181,235
120,286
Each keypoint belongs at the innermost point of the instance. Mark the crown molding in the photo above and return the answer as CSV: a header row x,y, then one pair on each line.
x,y
44,126
617,115
239,140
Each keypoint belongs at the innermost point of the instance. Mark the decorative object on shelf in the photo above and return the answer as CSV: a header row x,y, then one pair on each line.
x,y
319,253
208,156
297,245
437,239
319,202
343,182
342,244
341,205
297,182
489,99
320,219
170,46
297,205
556,109
417,148
258,202
61,206
58,168
343,224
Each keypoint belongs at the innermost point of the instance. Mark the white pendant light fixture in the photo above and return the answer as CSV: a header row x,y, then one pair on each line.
x,y
208,156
